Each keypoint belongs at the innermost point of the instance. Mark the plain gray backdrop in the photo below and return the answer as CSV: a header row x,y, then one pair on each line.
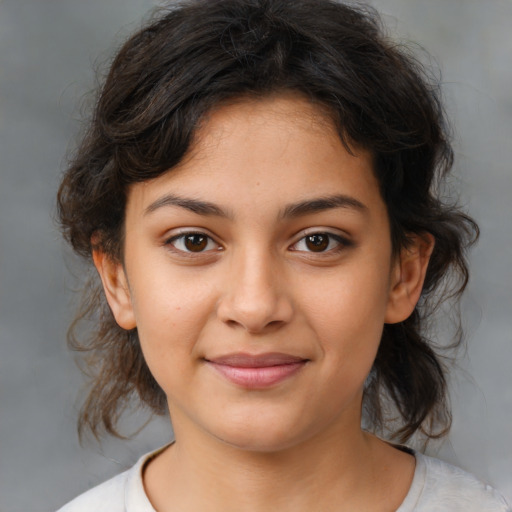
x,y
49,49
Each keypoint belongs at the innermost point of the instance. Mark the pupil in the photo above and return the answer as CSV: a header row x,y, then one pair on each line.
x,y
195,243
317,243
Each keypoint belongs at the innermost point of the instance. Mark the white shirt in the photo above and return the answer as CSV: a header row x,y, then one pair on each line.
x,y
436,487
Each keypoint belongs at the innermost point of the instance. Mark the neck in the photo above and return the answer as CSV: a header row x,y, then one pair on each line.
x,y
203,473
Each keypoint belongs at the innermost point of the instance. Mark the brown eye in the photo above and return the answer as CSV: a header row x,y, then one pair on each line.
x,y
195,242
317,242
322,242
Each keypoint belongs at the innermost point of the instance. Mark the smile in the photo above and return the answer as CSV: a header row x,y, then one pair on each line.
x,y
257,371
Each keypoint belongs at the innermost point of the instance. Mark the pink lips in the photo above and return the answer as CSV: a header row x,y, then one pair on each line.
x,y
257,371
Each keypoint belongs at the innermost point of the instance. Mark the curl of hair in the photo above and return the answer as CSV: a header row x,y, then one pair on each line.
x,y
198,54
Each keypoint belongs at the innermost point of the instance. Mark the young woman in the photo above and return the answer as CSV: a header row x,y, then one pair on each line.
x,y
259,193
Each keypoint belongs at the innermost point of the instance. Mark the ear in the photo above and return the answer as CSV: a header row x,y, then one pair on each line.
x,y
408,276
116,288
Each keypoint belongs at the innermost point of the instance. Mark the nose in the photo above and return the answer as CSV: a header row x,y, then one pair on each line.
x,y
255,295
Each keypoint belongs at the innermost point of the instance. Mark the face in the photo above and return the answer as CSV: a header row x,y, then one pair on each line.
x,y
259,275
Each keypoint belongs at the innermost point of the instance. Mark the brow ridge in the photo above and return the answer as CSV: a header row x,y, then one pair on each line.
x,y
194,205
320,204
306,207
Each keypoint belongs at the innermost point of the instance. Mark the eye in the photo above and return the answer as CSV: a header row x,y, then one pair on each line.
x,y
193,243
320,242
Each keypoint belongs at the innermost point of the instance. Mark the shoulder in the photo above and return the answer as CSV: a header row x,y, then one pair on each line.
x,y
108,496
438,486
123,493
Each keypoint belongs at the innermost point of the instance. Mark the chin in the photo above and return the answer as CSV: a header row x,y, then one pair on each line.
x,y
260,442
263,434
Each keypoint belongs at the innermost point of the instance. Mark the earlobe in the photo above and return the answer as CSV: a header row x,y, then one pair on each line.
x,y
408,277
116,289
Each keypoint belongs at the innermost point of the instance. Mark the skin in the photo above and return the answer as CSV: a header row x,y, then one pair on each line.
x,y
250,281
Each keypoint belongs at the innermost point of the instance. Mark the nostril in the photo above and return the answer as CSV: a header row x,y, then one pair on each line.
x,y
276,323
254,301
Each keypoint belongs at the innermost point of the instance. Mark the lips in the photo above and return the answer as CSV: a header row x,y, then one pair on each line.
x,y
257,371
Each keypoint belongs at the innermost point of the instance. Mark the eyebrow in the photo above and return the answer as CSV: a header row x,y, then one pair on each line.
x,y
193,205
320,204
299,209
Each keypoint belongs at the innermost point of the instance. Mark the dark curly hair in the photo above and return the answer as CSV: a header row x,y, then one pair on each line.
x,y
197,54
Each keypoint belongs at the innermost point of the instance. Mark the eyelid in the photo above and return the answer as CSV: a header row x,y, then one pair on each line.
x,y
343,240
183,232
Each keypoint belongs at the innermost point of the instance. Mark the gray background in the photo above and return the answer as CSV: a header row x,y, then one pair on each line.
x,y
48,51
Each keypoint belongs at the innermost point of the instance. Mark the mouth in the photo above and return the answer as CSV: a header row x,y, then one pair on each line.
x,y
257,371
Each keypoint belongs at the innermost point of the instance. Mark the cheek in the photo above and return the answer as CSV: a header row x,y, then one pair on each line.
x,y
170,315
347,313
163,296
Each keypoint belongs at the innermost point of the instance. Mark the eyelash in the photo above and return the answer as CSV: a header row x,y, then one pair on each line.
x,y
322,238
182,238
340,241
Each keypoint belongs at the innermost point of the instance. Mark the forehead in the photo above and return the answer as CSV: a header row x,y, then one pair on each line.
x,y
283,107
260,152
246,122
